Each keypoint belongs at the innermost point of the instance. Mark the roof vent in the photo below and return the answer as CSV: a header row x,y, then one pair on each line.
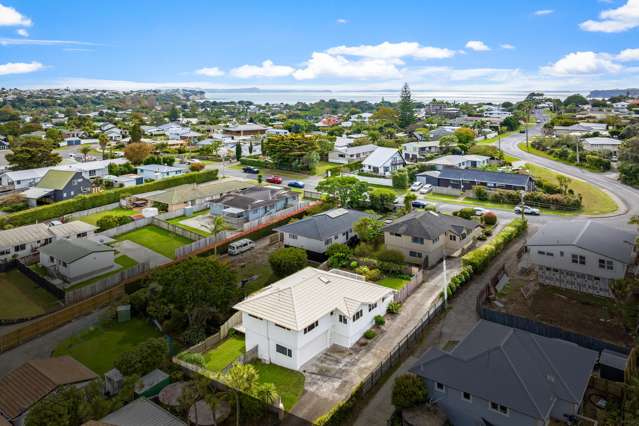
x,y
324,280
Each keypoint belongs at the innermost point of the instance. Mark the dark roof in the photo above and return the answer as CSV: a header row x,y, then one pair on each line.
x,y
429,225
142,412
453,173
525,372
71,250
35,379
323,225
255,196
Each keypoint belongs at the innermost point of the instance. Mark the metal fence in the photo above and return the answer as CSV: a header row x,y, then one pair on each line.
x,y
74,296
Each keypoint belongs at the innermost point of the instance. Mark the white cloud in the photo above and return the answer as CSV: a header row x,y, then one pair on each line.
x,y
22,32
267,69
507,46
342,21
543,12
477,46
19,68
582,63
9,17
616,20
628,55
7,41
388,50
325,65
210,72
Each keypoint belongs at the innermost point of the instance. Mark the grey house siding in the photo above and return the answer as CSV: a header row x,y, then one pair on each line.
x,y
468,184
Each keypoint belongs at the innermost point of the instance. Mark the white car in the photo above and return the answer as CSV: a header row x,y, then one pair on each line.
x,y
480,211
416,186
426,189
528,210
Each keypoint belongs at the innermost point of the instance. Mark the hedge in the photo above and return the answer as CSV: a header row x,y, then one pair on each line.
x,y
479,258
257,162
85,202
568,202
337,170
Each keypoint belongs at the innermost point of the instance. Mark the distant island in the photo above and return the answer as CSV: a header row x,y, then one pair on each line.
x,y
613,92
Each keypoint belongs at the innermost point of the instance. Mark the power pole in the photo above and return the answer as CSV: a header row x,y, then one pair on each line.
x,y
522,194
577,143
445,286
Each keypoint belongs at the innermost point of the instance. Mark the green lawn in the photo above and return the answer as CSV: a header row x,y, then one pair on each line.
x,y
320,169
124,261
118,211
156,239
263,272
396,283
20,297
289,383
98,347
224,354
176,221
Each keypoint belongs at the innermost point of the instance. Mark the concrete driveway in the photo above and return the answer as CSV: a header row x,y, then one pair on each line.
x,y
140,253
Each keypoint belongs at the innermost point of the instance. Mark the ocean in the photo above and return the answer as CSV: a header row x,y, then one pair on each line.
x,y
292,97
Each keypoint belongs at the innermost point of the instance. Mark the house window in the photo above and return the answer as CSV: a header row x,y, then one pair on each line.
x,y
417,240
5,251
467,397
81,235
51,259
357,315
343,319
501,409
396,235
578,259
439,387
606,264
550,254
452,237
292,236
310,327
372,306
283,350
561,254
20,247
541,252
415,254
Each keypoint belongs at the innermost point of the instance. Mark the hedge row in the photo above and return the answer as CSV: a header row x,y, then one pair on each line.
x,y
85,202
257,162
337,170
538,198
479,258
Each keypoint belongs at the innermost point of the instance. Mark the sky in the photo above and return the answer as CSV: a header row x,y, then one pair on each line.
x,y
492,45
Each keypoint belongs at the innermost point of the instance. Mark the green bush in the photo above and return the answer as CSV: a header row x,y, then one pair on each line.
x,y
192,358
394,307
379,320
465,213
480,193
144,358
339,255
400,179
288,260
370,334
390,256
85,202
112,221
256,162
409,391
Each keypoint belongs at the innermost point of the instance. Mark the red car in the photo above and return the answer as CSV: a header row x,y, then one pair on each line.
x,y
274,179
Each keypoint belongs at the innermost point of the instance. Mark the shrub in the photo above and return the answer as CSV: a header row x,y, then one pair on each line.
x,y
479,258
489,218
139,300
382,200
287,260
379,320
373,275
390,256
112,221
197,167
144,358
409,390
193,335
370,334
400,179
480,193
394,307
256,162
364,250
192,358
466,213
339,255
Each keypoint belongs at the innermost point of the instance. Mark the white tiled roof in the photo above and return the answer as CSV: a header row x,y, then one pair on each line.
x,y
304,297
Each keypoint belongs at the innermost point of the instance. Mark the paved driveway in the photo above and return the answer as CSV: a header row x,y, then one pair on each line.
x,y
140,253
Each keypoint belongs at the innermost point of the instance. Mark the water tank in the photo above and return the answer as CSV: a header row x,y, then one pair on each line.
x,y
150,211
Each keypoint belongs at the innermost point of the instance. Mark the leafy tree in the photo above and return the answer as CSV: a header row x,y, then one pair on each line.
x,y
339,255
218,225
32,152
84,150
196,167
137,152
369,230
297,126
408,201
387,114
250,147
238,151
406,108
629,161
382,200
465,136
103,140
400,179
511,123
136,133
111,221
288,260
348,190
409,390
575,100
174,114
564,182
55,135
292,152
446,142
7,113
144,358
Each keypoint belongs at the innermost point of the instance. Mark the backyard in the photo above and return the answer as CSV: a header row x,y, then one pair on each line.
x,y
177,222
118,211
394,282
21,297
99,347
224,354
156,239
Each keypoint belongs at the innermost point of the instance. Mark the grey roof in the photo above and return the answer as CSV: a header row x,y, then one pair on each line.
x,y
255,196
71,250
613,359
454,173
512,367
158,168
380,156
323,225
429,225
602,141
149,380
142,412
595,237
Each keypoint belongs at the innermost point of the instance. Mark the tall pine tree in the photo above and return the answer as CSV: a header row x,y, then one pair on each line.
x,y
406,108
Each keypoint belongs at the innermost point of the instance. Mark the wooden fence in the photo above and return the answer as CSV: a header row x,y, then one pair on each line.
x,y
210,342
190,235
74,296
410,287
127,227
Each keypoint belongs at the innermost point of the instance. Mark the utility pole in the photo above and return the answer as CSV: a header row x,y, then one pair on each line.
x,y
445,286
522,194
577,143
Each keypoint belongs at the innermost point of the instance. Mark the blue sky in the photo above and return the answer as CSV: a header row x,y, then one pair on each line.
x,y
478,45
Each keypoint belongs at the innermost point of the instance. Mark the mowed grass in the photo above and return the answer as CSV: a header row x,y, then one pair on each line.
x,y
224,354
22,298
156,239
396,283
99,347
93,218
289,383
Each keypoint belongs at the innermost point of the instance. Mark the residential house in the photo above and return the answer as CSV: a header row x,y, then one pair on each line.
x,y
249,129
351,154
620,107
140,412
416,151
459,161
439,132
425,238
158,171
254,203
130,179
297,318
317,233
602,144
383,161
26,240
581,129
491,111
58,185
363,117
585,256
279,132
464,179
77,260
504,376
4,145
34,380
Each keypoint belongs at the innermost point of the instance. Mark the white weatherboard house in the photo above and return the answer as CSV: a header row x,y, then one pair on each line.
x,y
75,260
383,161
297,318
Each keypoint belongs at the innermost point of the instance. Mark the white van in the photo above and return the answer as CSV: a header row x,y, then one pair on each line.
x,y
240,246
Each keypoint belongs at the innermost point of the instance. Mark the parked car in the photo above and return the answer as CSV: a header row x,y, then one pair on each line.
x,y
480,211
419,204
274,179
240,246
426,189
416,186
251,169
527,210
296,184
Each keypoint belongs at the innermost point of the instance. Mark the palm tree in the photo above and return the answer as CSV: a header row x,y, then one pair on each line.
x,y
103,140
84,150
216,227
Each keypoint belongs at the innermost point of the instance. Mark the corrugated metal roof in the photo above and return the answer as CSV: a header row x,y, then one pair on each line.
x,y
24,234
189,192
71,250
380,156
71,228
307,295
142,412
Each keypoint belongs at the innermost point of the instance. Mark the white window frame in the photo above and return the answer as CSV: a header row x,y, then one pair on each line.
x,y
440,387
